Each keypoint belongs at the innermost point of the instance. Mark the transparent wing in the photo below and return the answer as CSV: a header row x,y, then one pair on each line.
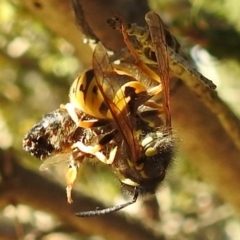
x,y
157,33
54,160
118,107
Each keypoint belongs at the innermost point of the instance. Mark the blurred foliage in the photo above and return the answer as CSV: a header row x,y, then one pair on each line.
x,y
36,70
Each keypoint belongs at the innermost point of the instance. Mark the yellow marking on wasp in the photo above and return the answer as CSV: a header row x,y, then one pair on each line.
x,y
129,182
146,141
151,124
150,152
140,166
85,96
130,163
120,100
143,174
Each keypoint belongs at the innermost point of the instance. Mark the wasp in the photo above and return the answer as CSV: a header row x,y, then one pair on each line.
x,y
115,102
143,133
144,127
117,108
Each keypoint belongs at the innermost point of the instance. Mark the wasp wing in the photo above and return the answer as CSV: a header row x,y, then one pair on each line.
x,y
118,108
157,33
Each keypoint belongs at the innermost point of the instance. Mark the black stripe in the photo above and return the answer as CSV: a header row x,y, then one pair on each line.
x,y
89,75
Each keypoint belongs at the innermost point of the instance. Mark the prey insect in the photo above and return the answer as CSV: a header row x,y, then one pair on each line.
x,y
53,140
144,42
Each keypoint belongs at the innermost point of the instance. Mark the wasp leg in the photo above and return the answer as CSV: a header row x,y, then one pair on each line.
x,y
154,105
82,123
71,111
109,210
136,72
128,42
135,54
95,151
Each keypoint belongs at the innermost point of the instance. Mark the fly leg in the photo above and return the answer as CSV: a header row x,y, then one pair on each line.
x,y
71,176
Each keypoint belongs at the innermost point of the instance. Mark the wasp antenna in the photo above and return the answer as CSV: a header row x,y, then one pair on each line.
x,y
95,213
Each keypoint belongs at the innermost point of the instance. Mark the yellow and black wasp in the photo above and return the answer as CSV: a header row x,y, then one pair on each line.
x,y
144,135
113,116
123,94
